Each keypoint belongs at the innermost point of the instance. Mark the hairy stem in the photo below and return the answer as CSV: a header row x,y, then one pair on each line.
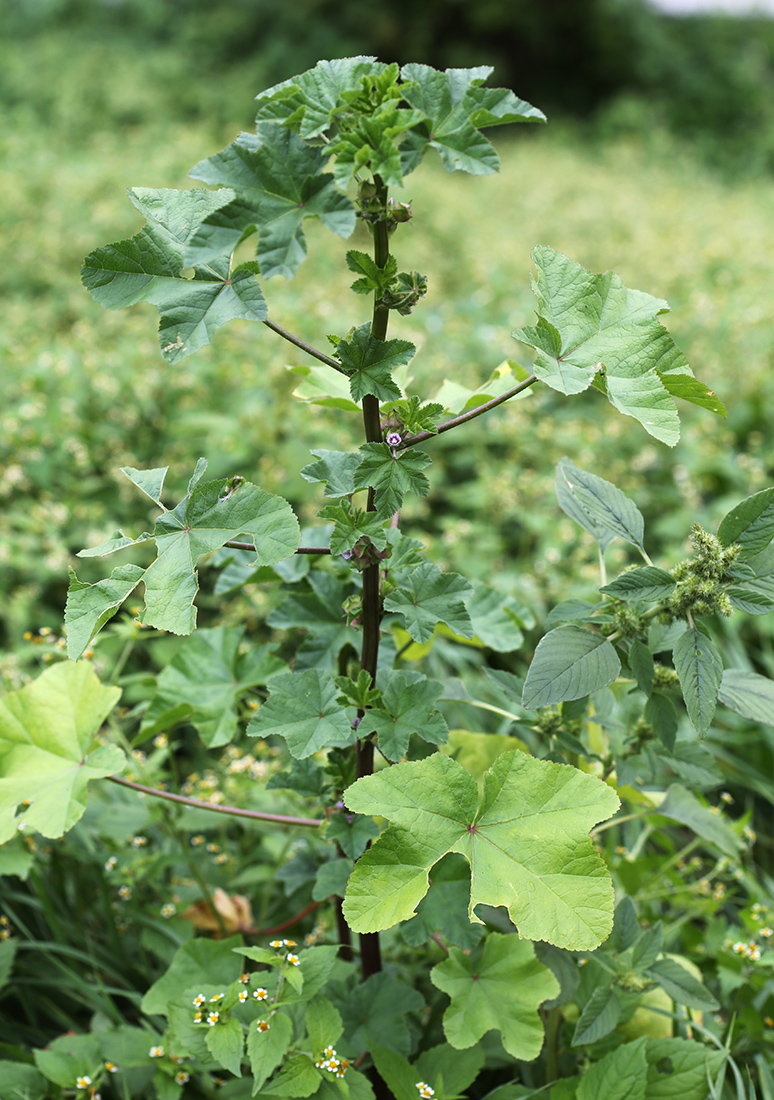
x,y
299,343
463,418
233,811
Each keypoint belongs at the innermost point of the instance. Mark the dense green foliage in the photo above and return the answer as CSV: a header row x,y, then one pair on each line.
x,y
136,861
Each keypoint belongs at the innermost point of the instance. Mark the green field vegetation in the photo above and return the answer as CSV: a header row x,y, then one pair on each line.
x,y
84,392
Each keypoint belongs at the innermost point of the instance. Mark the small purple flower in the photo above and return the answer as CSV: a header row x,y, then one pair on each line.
x,y
347,555
393,439
355,723
339,805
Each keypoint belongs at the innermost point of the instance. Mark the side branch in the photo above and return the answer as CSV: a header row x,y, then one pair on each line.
x,y
234,811
420,437
301,550
305,347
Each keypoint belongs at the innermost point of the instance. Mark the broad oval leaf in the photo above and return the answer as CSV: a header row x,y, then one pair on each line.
x,y
648,583
49,749
700,668
750,524
569,662
598,506
600,1015
621,1075
748,694
525,839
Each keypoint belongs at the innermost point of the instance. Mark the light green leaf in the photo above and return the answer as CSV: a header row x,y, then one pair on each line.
x,y
308,102
331,880
50,749
336,469
597,506
610,336
458,398
502,989
320,385
68,1057
700,668
298,1077
525,842
600,1015
302,708
149,266
428,597
203,682
409,706
681,985
569,662
454,105
370,363
748,694
678,1069
682,806
225,1042
750,524
392,475
620,1075
199,962
323,1023
496,618
458,1069
266,1049
396,1071
648,583
213,513
371,144
21,1081
276,181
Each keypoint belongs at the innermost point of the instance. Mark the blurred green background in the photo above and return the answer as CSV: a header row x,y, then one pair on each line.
x,y
656,163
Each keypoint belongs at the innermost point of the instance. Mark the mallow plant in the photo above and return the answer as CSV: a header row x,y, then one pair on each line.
x,y
485,937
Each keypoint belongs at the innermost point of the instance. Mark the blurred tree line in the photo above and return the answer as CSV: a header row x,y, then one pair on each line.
x,y
614,64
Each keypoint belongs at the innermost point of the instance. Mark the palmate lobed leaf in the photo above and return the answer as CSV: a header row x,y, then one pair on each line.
x,y
525,840
149,267
213,513
49,749
594,330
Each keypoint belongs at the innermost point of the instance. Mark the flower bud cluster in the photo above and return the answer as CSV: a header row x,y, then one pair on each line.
x,y
700,578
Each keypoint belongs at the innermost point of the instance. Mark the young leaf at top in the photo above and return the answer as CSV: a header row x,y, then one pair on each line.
x,y
501,988
391,476
370,363
597,506
593,329
350,525
373,279
276,181
526,841
49,749
302,708
455,105
569,662
428,597
213,513
700,668
148,267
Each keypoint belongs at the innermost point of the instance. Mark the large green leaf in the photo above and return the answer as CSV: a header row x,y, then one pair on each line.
x,y
524,839
569,662
748,694
428,597
266,1049
681,985
199,962
308,102
496,618
149,267
210,515
700,668
648,583
501,988
455,105
600,1015
620,1075
203,682
392,474
276,181
336,469
50,749
597,506
316,606
375,1011
750,524
678,1069
593,329
226,1044
302,708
